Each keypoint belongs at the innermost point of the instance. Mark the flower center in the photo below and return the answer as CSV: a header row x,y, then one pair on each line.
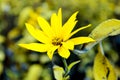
x,y
57,41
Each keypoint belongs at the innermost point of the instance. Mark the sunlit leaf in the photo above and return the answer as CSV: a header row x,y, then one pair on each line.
x,y
107,28
115,33
34,72
58,72
103,70
72,64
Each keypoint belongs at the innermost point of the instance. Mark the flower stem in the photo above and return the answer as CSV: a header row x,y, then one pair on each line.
x,y
101,48
66,67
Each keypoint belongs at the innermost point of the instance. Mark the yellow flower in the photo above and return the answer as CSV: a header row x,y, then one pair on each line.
x,y
55,37
33,18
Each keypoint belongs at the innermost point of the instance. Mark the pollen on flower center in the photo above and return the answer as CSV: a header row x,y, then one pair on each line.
x,y
57,41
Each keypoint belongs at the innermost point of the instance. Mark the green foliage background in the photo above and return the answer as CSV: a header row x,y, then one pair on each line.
x,y
20,64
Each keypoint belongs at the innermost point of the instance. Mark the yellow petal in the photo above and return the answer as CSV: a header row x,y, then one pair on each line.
x,y
69,25
63,52
37,34
51,51
44,26
81,40
74,32
60,18
68,45
35,47
56,23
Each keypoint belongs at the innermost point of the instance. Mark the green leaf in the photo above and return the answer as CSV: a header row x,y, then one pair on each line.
x,y
107,28
58,72
115,33
103,70
72,64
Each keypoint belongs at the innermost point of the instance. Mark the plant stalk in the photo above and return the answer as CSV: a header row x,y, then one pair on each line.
x,y
66,67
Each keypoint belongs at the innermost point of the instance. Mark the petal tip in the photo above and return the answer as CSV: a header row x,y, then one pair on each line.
x,y
91,40
27,23
38,18
66,57
89,25
60,9
76,13
21,45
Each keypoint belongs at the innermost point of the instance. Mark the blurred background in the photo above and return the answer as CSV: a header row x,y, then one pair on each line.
x,y
17,63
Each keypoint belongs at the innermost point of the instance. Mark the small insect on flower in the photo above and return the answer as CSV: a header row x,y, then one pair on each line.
x,y
55,37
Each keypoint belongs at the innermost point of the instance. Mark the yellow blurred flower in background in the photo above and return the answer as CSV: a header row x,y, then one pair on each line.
x,y
33,18
55,36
